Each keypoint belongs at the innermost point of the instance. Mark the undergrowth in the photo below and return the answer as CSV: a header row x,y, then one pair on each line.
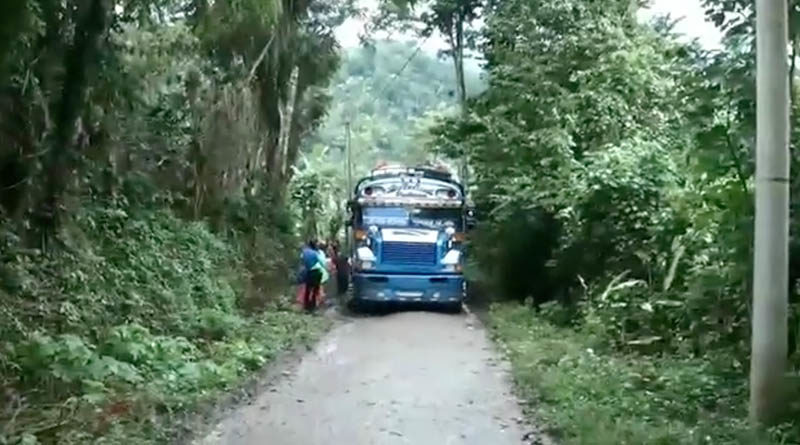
x,y
135,321
612,398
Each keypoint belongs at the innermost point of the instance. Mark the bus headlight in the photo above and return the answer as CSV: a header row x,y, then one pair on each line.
x,y
366,258
454,268
452,261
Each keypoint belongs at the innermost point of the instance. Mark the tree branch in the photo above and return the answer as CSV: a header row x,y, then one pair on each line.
x,y
260,58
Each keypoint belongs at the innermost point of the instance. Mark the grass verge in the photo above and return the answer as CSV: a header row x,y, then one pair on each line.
x,y
587,397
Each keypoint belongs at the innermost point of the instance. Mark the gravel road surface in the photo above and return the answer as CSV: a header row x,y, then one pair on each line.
x,y
406,378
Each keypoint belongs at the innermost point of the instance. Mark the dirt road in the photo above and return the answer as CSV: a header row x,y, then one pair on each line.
x,y
408,378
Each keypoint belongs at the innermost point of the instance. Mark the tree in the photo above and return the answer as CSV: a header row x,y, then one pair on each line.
x,y
289,62
737,18
69,98
450,18
635,163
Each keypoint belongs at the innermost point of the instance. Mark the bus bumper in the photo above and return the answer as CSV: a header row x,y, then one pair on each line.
x,y
376,287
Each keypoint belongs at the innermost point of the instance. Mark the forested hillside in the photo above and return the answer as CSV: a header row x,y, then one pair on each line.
x,y
389,91
613,168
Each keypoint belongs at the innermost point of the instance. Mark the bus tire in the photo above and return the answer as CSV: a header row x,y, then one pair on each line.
x,y
358,306
452,308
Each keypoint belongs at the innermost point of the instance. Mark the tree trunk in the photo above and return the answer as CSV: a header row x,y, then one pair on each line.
x,y
78,59
199,165
455,38
272,78
287,121
295,137
769,326
458,55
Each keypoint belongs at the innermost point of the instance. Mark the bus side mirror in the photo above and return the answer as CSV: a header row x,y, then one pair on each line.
x,y
470,220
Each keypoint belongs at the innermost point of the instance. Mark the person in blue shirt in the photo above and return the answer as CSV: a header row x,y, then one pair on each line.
x,y
311,275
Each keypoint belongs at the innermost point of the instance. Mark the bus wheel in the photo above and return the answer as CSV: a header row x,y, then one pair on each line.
x,y
358,306
452,308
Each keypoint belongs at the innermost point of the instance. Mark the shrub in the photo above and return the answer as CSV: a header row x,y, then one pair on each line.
x,y
215,324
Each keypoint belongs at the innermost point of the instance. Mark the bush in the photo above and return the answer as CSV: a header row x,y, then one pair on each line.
x,y
49,362
215,324
264,232
138,316
512,255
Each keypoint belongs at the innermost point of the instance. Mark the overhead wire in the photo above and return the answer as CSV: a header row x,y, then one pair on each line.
x,y
402,68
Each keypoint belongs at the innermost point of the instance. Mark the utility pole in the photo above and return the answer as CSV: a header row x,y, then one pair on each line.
x,y
348,171
770,290
349,158
462,96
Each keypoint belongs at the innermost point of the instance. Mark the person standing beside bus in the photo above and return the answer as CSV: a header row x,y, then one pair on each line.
x,y
323,267
311,276
342,271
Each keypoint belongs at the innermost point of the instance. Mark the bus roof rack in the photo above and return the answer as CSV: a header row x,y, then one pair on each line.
x,y
394,202
385,170
424,171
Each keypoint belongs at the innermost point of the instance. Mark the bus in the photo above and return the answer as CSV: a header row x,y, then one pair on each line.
x,y
407,240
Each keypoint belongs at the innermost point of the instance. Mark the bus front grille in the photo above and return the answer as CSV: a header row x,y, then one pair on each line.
x,y
411,254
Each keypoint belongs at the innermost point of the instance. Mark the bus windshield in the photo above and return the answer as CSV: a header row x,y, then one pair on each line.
x,y
429,218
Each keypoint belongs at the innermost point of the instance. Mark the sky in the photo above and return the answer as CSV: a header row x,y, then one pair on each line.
x,y
692,20
692,24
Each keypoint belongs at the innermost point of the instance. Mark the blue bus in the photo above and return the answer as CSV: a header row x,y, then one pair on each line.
x,y
407,240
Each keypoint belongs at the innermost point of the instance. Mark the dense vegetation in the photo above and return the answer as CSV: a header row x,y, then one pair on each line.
x,y
583,394
613,168
157,280
141,318
149,200
145,155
